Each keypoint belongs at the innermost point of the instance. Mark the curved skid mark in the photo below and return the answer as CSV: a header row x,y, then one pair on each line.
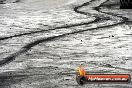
x,y
32,44
11,57
66,26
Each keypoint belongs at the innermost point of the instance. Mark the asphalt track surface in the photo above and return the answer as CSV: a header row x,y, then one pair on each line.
x,y
76,9
101,17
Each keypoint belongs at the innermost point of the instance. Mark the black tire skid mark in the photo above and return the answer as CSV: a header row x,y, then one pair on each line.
x,y
10,58
66,26
61,27
3,2
124,20
32,44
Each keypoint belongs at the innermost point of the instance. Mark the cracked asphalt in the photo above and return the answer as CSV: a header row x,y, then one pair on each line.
x,y
43,42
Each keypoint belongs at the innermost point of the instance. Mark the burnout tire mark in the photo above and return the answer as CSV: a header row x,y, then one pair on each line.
x,y
61,27
76,9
